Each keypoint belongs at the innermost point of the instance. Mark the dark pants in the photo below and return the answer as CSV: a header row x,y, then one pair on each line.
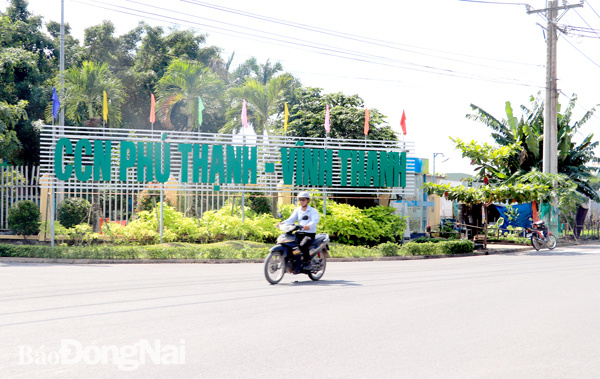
x,y
304,240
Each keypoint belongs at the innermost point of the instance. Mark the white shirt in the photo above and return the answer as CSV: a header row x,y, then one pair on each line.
x,y
299,215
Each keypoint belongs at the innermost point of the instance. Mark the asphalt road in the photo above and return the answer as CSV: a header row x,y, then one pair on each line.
x,y
526,315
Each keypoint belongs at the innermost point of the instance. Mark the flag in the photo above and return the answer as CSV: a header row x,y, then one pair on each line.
x,y
200,109
105,107
244,114
287,114
55,103
367,117
152,111
403,122
327,126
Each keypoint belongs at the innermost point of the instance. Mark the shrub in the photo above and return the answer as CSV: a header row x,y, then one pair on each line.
x,y
348,224
24,218
150,198
388,249
438,248
259,203
73,211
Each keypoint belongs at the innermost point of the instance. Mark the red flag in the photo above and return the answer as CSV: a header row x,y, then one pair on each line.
x,y
152,112
403,122
367,117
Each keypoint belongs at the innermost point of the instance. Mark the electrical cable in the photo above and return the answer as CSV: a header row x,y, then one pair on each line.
x,y
331,52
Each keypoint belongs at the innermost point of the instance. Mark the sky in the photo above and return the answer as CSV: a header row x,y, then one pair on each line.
x,y
430,59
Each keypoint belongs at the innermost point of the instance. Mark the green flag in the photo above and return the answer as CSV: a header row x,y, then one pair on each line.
x,y
200,109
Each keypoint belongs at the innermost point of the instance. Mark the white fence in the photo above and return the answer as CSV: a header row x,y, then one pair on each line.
x,y
17,183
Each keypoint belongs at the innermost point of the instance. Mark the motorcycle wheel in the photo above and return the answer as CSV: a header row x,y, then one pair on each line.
x,y
319,274
274,267
551,243
535,242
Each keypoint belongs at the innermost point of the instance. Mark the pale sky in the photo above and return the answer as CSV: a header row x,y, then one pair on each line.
x,y
431,59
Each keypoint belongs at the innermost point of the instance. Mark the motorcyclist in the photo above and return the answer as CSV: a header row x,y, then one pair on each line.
x,y
308,218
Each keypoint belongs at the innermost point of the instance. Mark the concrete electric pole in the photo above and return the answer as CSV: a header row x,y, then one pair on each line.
x,y
550,154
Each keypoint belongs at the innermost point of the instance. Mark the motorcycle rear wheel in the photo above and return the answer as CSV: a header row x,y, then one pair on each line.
x,y
274,267
319,274
551,243
535,242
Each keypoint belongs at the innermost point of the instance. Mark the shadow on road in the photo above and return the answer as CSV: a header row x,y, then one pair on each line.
x,y
321,283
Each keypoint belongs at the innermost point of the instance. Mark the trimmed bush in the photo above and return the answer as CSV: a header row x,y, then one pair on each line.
x,y
438,248
388,249
24,218
73,211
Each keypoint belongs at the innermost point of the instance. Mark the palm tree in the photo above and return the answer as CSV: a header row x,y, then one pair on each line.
x,y
528,131
84,94
178,92
263,101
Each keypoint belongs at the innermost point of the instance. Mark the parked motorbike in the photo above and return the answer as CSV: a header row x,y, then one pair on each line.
x,y
541,236
282,257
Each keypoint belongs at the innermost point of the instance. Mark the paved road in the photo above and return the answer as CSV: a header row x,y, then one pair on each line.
x,y
526,315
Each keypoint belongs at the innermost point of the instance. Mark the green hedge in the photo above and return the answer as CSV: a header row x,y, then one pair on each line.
x,y
224,250
215,251
439,248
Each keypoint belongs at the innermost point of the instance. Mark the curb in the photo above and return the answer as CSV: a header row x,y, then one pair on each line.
x,y
83,261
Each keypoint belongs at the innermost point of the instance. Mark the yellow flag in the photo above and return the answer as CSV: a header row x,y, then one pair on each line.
x,y
105,107
287,114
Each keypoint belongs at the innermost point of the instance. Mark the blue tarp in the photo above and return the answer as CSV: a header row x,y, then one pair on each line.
x,y
525,214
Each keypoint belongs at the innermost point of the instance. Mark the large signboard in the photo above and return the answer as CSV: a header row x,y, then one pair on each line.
x,y
119,158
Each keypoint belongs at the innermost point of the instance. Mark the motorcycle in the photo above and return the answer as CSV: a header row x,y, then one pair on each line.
x,y
541,236
282,257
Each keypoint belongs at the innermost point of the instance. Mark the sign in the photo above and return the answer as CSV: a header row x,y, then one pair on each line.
x,y
222,164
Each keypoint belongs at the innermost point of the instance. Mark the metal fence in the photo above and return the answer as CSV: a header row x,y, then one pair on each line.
x,y
17,183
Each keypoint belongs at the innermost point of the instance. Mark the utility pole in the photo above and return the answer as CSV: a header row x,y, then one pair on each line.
x,y
550,154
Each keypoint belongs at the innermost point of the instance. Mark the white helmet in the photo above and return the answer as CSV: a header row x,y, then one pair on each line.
x,y
303,194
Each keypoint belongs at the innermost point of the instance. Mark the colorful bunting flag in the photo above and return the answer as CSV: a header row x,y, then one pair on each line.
x,y
367,117
152,109
55,103
403,122
105,107
285,122
244,114
200,109
327,126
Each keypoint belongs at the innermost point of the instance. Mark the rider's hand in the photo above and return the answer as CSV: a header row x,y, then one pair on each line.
x,y
306,227
277,225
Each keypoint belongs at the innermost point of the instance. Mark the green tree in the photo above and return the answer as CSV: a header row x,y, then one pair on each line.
x,y
574,160
26,63
178,92
346,115
10,115
262,101
262,72
84,95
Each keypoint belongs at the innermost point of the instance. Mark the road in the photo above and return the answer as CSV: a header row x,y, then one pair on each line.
x,y
525,315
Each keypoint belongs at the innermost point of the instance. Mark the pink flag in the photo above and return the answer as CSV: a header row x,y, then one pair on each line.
x,y
244,114
152,112
403,122
327,128
367,117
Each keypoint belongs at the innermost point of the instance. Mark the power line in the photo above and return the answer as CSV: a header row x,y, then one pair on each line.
x,y
493,2
354,37
593,10
340,53
582,53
